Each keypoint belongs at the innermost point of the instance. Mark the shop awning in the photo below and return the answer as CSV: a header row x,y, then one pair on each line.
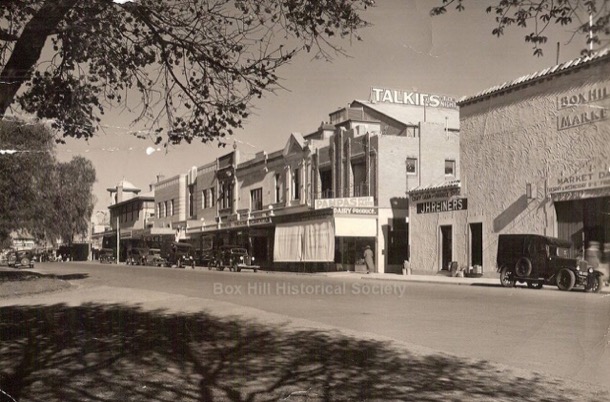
x,y
310,241
355,227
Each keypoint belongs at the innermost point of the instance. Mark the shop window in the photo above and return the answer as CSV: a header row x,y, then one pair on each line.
x,y
411,166
449,167
256,199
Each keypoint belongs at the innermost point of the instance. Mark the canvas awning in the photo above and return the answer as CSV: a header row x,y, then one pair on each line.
x,y
309,241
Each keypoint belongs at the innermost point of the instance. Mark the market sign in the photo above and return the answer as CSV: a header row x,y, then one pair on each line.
x,y
344,202
384,95
579,108
456,204
581,185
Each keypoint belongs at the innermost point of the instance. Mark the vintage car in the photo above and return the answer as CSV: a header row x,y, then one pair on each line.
x,y
541,260
21,258
137,256
107,255
204,258
180,254
153,258
235,258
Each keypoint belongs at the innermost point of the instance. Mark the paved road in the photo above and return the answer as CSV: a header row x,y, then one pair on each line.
x,y
557,333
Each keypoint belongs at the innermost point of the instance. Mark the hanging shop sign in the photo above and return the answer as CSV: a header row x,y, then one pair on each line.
x,y
344,202
456,204
379,95
579,108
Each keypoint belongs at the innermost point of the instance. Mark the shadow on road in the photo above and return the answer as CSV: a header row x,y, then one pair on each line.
x,y
24,275
110,353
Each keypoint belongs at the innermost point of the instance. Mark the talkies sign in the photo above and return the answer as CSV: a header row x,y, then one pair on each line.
x,y
379,95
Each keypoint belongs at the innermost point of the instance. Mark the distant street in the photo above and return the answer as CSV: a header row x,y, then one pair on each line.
x,y
548,331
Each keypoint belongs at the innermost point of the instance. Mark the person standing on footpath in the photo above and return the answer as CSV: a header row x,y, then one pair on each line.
x,y
368,259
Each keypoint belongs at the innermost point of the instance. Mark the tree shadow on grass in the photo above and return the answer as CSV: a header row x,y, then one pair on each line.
x,y
112,352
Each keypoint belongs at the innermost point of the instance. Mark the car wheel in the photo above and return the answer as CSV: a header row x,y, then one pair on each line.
x,y
25,261
236,268
523,267
598,284
506,277
566,279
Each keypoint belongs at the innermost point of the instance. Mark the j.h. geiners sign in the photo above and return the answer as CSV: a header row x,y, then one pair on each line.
x,y
456,204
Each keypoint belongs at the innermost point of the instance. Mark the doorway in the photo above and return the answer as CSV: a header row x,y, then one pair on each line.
x,y
446,246
476,244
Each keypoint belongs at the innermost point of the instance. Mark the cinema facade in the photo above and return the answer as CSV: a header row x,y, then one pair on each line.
x,y
535,158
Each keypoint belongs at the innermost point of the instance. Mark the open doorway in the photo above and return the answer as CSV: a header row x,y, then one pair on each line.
x,y
446,246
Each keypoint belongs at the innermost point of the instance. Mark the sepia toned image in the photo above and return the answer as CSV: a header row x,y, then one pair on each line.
x,y
304,200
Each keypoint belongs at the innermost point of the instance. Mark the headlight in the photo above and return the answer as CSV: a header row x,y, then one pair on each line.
x,y
590,270
252,258
577,268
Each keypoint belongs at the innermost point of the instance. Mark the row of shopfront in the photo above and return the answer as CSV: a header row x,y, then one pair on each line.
x,y
533,156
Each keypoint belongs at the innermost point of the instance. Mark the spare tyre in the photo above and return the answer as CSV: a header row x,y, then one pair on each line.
x,y
523,267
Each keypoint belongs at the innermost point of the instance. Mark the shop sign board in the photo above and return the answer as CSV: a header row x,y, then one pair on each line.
x,y
379,95
580,183
355,211
436,194
355,202
456,204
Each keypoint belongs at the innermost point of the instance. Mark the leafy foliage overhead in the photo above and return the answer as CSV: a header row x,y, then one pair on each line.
x,y
588,17
195,65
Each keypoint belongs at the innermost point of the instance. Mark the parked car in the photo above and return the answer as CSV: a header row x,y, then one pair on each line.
x,y
180,255
21,258
137,256
541,260
153,258
107,255
235,258
204,258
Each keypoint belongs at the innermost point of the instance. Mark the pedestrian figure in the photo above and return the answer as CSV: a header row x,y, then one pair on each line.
x,y
368,259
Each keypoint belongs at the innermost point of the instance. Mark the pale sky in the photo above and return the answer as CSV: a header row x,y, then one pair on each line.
x,y
454,54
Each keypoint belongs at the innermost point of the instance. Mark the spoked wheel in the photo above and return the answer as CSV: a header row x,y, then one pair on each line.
x,y
566,279
596,286
506,277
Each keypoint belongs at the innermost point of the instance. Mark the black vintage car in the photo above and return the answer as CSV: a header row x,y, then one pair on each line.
x,y
21,258
235,258
541,260
179,254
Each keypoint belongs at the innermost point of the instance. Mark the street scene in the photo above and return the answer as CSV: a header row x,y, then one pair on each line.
x,y
259,200
149,333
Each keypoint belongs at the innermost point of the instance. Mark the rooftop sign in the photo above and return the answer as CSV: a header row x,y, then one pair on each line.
x,y
384,95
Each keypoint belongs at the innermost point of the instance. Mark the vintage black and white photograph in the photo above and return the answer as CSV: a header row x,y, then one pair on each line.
x,y
304,200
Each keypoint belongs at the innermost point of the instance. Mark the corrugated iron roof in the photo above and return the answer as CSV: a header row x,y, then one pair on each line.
x,y
559,68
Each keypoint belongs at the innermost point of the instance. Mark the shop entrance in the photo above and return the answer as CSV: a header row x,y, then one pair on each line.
x,y
446,246
476,244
